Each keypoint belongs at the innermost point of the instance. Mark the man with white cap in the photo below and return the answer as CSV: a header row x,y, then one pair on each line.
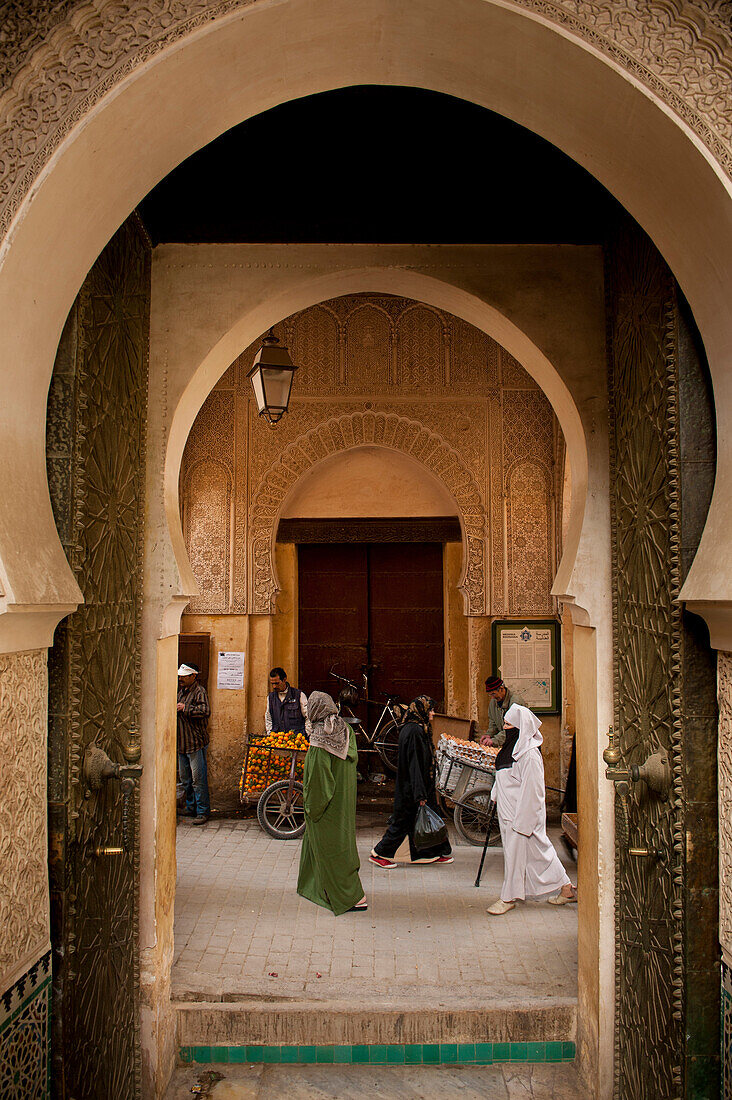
x,y
193,738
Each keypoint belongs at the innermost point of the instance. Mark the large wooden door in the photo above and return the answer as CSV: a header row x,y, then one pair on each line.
x,y
372,604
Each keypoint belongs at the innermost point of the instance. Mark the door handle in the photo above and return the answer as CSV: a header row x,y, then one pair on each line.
x,y
655,772
96,772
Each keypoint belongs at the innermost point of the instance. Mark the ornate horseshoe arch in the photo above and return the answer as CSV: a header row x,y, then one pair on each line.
x,y
342,434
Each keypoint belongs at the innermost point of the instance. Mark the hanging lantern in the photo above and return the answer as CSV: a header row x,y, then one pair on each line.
x,y
271,376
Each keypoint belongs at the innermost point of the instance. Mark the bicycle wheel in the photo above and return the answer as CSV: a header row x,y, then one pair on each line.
x,y
280,820
387,745
473,816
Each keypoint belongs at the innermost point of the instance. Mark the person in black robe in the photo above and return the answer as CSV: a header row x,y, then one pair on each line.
x,y
415,786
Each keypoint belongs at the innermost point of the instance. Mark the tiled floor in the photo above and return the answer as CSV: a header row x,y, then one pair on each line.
x,y
240,927
385,1082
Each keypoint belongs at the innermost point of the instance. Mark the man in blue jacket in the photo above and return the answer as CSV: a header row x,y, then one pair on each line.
x,y
287,707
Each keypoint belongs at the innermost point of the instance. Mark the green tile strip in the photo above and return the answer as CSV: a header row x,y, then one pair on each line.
x,y
395,1054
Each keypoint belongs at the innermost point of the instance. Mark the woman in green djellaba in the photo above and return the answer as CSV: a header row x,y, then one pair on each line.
x,y
329,862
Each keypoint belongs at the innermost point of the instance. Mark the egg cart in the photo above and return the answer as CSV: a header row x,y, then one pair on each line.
x,y
464,776
280,805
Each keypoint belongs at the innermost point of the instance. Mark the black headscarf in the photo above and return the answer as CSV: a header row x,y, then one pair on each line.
x,y
505,755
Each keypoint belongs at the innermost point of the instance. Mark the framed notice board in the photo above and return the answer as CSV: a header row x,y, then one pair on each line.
x,y
526,655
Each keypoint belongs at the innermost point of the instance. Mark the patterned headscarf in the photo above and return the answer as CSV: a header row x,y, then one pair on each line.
x,y
329,732
419,711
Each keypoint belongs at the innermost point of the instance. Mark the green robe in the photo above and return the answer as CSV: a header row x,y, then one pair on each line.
x,y
329,860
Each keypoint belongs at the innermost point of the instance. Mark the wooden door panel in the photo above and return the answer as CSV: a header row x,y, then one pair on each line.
x,y
406,621
333,614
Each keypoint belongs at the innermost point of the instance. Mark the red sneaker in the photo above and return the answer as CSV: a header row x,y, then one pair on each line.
x,y
382,862
445,859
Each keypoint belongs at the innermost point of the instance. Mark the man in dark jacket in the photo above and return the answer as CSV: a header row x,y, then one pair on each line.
x,y
193,714
287,707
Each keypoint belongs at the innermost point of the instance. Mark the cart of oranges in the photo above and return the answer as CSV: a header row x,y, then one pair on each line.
x,y
272,776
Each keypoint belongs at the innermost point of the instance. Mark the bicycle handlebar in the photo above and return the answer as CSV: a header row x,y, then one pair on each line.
x,y
343,679
384,694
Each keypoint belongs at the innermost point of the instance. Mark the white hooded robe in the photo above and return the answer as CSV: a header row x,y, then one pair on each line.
x,y
531,865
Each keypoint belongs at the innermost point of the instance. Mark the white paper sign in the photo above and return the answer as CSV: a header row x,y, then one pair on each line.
x,y
230,673
526,664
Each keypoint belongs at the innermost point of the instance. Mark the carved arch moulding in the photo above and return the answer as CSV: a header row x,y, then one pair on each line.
x,y
58,60
340,434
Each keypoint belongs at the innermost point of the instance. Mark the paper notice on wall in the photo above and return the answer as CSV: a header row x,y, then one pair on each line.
x,y
526,664
230,673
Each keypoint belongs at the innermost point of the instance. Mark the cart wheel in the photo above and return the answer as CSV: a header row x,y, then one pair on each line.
x,y
280,820
472,817
387,746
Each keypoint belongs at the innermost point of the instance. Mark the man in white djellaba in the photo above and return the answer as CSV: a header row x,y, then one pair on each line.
x,y
531,865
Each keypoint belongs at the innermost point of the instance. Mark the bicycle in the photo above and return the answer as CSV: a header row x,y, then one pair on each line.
x,y
385,736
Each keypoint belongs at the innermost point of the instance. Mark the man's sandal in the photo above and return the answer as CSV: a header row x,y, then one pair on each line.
x,y
500,907
562,899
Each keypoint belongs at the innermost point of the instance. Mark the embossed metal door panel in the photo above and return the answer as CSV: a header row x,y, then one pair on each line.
x,y
666,1023
96,433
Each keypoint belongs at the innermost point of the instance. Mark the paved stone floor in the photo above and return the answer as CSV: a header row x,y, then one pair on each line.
x,y
240,927
384,1082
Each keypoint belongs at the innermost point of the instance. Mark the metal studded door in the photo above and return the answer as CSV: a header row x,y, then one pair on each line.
x,y
95,454
665,1035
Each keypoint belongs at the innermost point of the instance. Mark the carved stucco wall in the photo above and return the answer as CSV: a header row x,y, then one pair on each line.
x,y
25,961
387,371
24,920
58,59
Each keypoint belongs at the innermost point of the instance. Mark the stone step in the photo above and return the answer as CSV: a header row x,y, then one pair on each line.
x,y
295,1022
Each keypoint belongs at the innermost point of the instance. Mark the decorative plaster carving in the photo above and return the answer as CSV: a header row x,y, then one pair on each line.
x,y
421,350
369,337
209,462
59,59
680,49
206,528
528,456
315,348
359,359
724,673
528,522
380,428
24,920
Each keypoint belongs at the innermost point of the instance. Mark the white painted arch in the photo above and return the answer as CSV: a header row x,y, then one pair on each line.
x,y
502,57
277,283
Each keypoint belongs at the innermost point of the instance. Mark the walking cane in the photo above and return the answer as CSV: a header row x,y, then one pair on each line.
x,y
487,838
